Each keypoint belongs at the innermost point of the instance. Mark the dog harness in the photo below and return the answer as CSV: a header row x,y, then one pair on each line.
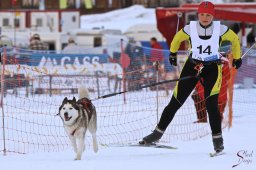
x,y
87,105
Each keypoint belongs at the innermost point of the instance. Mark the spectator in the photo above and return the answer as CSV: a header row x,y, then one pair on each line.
x,y
72,47
157,54
251,38
134,75
37,44
156,51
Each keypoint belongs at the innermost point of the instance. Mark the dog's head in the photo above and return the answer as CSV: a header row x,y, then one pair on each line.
x,y
69,111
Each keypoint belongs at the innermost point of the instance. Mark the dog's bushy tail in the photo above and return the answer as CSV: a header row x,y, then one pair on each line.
x,y
83,92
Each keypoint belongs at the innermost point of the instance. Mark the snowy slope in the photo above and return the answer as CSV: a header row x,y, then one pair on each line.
x,y
121,19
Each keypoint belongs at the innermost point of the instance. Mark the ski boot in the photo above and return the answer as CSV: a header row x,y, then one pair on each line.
x,y
153,137
218,142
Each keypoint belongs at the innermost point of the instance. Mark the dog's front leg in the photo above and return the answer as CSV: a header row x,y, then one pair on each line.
x,y
73,142
80,149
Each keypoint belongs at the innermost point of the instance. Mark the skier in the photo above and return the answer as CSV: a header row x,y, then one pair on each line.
x,y
205,37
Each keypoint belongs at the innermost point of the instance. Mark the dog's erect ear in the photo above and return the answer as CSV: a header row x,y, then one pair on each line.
x,y
74,99
64,100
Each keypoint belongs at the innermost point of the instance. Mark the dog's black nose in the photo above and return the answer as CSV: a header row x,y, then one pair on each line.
x,y
66,114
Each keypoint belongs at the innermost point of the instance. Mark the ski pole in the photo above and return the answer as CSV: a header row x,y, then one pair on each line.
x,y
145,86
248,50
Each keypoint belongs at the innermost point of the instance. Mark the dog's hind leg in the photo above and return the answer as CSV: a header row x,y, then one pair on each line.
x,y
93,128
95,143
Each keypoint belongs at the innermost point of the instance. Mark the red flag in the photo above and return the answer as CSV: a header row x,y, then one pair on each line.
x,y
125,60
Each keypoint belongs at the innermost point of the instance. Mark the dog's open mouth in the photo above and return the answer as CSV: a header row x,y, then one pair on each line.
x,y
67,118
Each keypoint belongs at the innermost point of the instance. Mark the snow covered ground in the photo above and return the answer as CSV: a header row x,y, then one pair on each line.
x,y
239,141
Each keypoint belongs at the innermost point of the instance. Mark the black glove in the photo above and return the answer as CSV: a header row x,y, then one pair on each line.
x,y
173,59
237,63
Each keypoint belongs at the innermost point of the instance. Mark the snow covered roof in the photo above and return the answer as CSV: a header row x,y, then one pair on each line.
x,y
121,19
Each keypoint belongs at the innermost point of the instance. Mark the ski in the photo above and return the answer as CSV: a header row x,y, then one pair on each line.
x,y
154,145
214,154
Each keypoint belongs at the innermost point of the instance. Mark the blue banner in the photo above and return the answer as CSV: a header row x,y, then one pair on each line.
x,y
63,59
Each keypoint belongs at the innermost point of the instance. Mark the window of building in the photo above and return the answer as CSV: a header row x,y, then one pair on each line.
x,y
71,3
39,22
115,4
101,3
73,18
6,22
141,2
127,3
97,42
30,3
51,45
168,3
17,22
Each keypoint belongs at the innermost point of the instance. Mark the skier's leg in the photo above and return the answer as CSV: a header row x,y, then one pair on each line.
x,y
212,82
180,94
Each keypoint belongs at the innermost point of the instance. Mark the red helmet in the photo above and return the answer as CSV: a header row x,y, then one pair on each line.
x,y
206,7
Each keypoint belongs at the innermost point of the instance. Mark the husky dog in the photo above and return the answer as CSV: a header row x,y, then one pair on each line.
x,y
77,116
